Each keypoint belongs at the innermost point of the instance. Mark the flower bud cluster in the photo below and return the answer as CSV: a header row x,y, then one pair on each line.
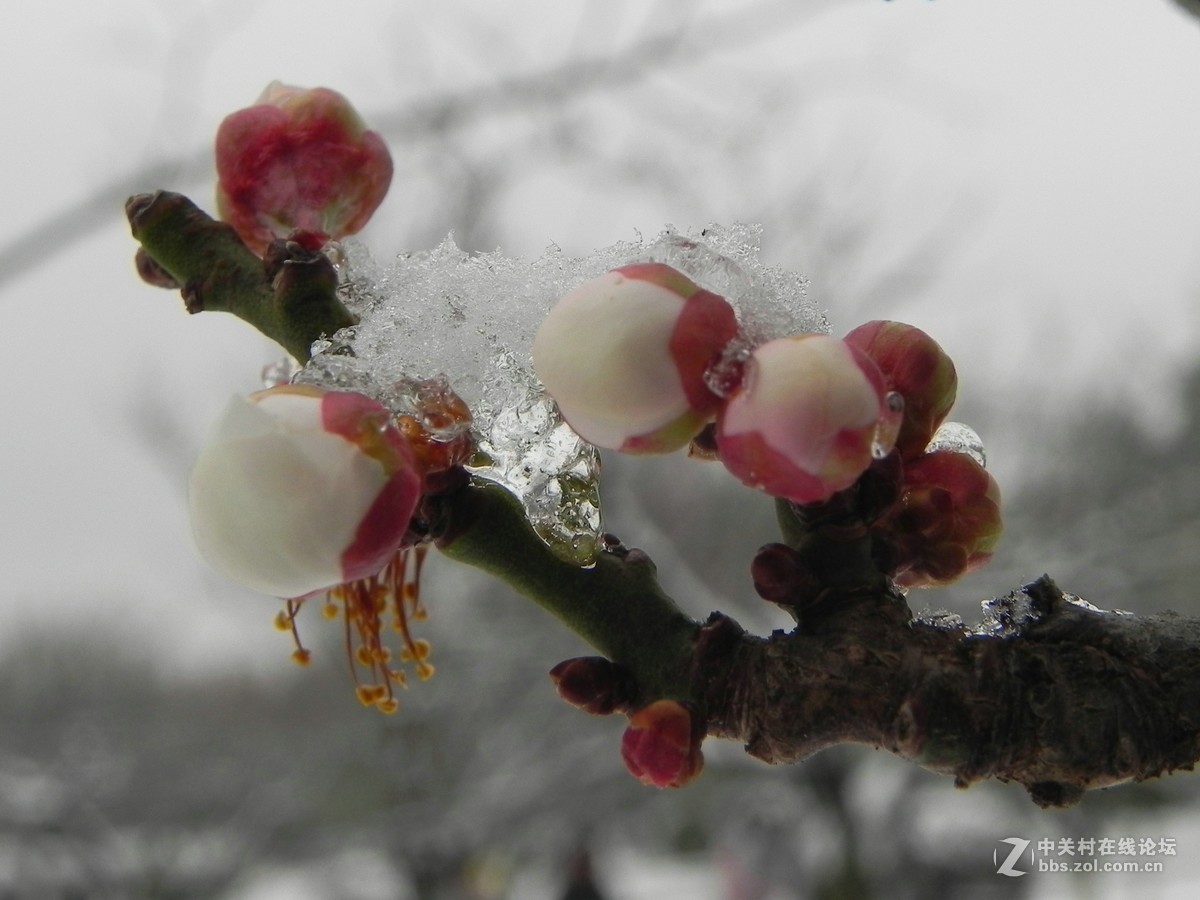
x,y
642,360
945,521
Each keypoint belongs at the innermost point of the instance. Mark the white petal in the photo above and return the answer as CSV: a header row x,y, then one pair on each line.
x,y
274,510
604,354
798,394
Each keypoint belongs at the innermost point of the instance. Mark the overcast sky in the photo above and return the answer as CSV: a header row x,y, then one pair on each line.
x,y
1048,148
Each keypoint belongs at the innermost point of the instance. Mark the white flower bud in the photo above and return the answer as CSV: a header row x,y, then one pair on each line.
x,y
624,357
806,421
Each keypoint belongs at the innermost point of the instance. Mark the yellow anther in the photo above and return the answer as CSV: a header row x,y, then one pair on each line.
x,y
366,694
387,705
302,656
283,622
329,610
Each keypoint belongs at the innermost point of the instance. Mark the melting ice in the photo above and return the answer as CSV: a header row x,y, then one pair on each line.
x,y
472,317
1007,616
959,438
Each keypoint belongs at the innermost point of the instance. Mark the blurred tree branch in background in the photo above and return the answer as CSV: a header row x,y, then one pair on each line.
x,y
690,40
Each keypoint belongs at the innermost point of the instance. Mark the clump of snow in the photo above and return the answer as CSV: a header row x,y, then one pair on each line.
x,y
472,317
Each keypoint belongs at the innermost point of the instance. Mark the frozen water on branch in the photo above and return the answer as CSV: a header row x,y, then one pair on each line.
x,y
958,438
940,619
472,317
1007,616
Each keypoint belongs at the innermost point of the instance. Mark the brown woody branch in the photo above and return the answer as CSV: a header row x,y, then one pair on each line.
x,y
1059,697
1073,699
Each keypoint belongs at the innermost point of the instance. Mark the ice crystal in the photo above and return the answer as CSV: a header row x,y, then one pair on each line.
x,y
1007,616
940,619
472,317
959,438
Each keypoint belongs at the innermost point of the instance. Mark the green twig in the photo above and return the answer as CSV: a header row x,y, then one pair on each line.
x,y
293,302
616,605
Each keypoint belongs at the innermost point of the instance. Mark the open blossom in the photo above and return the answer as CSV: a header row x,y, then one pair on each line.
x,y
299,490
810,414
299,161
306,493
625,355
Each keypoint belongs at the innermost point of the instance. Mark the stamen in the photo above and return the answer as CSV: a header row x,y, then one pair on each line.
x,y
363,604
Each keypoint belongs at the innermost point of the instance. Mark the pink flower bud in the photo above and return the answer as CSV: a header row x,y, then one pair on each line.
x,y
916,367
624,357
810,415
947,522
661,746
299,160
299,490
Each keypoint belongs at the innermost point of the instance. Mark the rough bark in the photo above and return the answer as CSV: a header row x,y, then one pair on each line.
x,y
1052,693
1074,699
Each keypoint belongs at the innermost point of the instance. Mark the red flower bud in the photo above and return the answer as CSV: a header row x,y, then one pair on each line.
x,y
661,745
918,369
780,575
299,160
593,684
947,522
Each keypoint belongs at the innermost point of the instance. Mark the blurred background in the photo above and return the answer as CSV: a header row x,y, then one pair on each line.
x,y
1017,178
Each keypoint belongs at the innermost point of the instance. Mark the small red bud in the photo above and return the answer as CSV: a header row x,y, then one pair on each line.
x,y
779,575
593,684
918,369
151,272
661,746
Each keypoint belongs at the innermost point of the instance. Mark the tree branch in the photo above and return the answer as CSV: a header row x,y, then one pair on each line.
x,y
290,297
1059,697
1054,694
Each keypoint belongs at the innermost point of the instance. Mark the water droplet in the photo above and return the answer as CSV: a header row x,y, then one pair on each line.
x,y
279,372
724,376
888,427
